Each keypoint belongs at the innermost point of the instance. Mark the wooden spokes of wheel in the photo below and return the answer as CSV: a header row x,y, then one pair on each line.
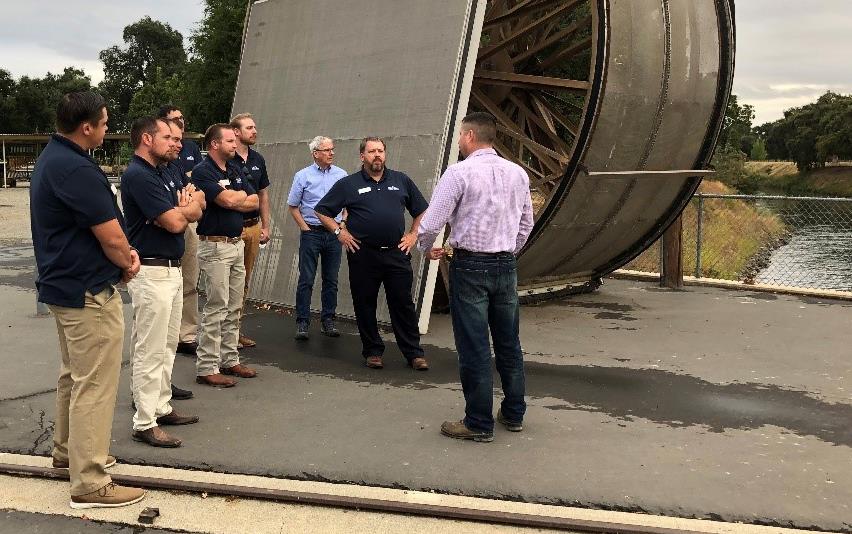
x,y
532,74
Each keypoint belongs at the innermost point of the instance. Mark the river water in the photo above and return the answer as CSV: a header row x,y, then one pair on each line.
x,y
819,252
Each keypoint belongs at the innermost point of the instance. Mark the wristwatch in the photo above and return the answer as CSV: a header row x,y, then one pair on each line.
x,y
337,231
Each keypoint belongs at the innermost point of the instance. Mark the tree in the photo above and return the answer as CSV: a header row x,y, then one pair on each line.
x,y
758,151
29,105
737,128
160,90
153,53
211,76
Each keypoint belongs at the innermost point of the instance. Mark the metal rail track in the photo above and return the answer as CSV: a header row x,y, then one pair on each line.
x,y
355,503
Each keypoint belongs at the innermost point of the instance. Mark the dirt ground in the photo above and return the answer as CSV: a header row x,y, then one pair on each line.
x,y
15,214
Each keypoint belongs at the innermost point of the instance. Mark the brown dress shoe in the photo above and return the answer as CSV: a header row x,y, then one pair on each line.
x,y
175,419
216,380
239,370
156,437
374,362
246,342
419,364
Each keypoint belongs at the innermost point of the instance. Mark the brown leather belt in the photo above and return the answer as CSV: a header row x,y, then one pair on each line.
x,y
160,262
250,222
219,239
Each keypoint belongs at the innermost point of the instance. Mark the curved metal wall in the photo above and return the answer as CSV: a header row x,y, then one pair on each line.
x,y
664,69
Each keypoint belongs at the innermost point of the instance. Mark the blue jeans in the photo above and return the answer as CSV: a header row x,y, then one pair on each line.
x,y
483,297
313,245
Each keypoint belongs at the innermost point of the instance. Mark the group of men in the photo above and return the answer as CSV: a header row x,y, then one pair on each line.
x,y
186,216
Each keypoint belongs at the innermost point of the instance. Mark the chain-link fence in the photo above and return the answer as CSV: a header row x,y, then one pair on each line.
x,y
803,242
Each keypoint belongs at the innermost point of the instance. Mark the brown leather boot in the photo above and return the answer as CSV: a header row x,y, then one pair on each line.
x,y
216,380
239,370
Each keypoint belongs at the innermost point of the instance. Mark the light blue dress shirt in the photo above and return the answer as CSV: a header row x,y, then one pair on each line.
x,y
309,186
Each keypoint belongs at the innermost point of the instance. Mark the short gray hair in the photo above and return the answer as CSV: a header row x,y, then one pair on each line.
x,y
317,141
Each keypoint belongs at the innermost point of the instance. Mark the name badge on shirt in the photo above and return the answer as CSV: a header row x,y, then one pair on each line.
x,y
364,190
224,183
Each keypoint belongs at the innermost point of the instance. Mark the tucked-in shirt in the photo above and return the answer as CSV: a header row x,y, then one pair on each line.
x,y
69,194
254,167
146,193
211,180
309,186
188,157
486,199
375,210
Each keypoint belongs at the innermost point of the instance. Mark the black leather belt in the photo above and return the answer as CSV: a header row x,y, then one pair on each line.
x,y
160,262
250,222
318,228
220,239
462,253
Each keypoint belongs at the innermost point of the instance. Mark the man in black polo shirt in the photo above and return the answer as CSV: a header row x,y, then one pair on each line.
x,y
158,210
376,199
81,252
220,255
188,157
255,223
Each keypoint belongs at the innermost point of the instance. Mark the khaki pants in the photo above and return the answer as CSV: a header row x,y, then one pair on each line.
x,y
157,294
90,340
189,267
224,277
251,238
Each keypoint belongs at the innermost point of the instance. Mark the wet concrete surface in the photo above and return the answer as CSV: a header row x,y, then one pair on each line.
x,y
698,403
14,522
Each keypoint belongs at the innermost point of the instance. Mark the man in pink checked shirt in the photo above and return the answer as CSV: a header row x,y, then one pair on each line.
x,y
486,200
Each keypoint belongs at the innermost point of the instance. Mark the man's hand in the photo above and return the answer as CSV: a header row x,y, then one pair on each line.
x,y
436,253
130,274
348,240
264,235
184,198
407,241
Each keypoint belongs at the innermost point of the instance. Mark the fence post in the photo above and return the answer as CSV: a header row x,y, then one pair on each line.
x,y
671,274
698,235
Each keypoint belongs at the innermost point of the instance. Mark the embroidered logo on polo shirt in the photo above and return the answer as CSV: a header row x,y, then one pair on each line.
x,y
255,168
393,188
190,158
364,190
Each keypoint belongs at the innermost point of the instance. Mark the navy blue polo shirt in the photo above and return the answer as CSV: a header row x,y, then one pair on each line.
x,y
254,166
69,194
217,220
146,193
188,157
376,210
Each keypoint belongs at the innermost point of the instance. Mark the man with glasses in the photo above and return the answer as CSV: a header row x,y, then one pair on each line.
x,y
255,223
309,186
188,157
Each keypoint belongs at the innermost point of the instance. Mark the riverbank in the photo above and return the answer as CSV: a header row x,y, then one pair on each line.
x,y
737,238
783,178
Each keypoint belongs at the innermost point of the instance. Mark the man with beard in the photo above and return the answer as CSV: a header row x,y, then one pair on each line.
x,y
220,256
158,209
255,223
377,246
188,157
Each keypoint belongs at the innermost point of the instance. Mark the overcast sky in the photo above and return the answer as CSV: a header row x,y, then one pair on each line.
x,y
788,52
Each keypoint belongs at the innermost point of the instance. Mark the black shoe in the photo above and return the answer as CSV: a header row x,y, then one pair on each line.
x,y
188,348
329,329
511,426
180,394
302,331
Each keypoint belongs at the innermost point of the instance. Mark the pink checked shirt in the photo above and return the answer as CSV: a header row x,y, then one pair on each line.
x,y
486,200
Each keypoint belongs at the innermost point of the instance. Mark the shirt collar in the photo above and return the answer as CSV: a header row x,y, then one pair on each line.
x,y
142,161
483,152
369,178
321,170
72,145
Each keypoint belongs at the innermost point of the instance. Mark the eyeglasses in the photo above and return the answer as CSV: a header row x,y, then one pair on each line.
x,y
324,149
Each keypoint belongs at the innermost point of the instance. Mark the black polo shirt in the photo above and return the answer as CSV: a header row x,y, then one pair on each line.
x,y
211,180
146,193
68,195
254,166
188,157
376,210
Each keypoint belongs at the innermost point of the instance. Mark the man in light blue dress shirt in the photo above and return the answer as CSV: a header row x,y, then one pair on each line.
x,y
309,186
